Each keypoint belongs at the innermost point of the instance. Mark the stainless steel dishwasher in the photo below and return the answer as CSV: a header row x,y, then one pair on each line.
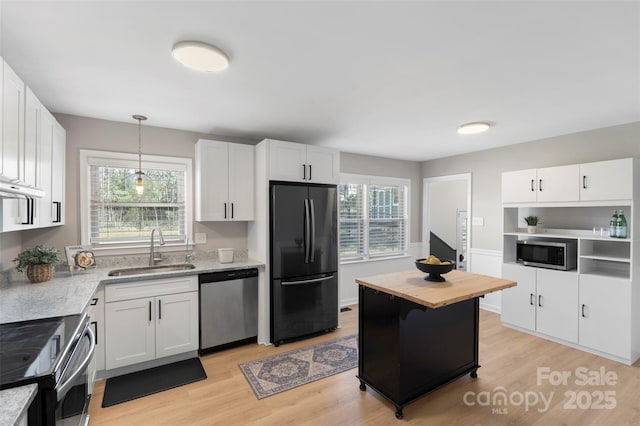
x,y
228,308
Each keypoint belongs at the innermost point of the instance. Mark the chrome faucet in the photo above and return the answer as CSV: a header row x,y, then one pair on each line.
x,y
152,257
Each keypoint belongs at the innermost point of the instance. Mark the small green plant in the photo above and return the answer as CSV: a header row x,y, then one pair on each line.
x,y
38,255
532,220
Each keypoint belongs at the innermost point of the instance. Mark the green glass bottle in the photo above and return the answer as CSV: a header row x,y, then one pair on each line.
x,y
613,224
621,227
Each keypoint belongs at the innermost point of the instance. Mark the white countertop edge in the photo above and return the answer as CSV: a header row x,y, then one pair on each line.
x,y
15,402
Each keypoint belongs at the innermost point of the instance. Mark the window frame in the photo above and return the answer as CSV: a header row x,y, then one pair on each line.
x,y
367,180
123,159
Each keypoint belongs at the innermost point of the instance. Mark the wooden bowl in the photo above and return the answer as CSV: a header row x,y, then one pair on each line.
x,y
435,271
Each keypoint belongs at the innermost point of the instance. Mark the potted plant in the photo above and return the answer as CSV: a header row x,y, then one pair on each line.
x,y
39,262
532,223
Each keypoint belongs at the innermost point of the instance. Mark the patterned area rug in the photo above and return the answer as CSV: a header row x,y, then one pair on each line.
x,y
269,376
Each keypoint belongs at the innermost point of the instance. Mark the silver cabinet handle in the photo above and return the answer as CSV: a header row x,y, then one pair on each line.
x,y
315,280
582,311
531,302
540,300
304,172
532,183
307,231
540,185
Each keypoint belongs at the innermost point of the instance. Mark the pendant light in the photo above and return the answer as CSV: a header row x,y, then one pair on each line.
x,y
139,184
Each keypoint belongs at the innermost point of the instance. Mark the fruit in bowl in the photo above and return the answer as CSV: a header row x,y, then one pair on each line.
x,y
434,267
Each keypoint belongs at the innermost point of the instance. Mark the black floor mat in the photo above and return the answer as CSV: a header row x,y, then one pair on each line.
x,y
146,382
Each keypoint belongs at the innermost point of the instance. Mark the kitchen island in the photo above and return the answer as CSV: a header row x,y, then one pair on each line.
x,y
416,335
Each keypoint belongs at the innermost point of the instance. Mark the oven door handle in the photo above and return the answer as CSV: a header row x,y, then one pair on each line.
x,y
315,280
63,388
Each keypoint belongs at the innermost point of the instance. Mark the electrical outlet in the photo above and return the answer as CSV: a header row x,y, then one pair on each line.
x,y
200,238
478,221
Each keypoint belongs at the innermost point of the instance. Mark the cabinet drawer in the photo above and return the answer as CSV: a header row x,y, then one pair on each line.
x,y
150,288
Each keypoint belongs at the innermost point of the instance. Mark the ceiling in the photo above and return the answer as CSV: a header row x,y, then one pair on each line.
x,y
385,78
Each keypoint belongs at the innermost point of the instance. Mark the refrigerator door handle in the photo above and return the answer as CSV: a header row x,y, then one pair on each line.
x,y
307,225
315,280
312,238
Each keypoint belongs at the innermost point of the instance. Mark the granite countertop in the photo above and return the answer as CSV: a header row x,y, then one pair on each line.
x,y
15,402
69,293
459,286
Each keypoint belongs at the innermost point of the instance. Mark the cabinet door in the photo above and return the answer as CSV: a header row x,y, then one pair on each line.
x,y
45,158
129,332
557,296
558,183
606,180
13,98
212,181
519,186
519,302
241,182
287,161
176,323
57,173
16,212
605,314
323,165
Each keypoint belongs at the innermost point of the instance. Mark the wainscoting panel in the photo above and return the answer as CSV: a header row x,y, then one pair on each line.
x,y
488,262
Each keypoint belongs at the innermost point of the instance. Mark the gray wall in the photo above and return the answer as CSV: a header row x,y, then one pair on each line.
x,y
486,168
377,166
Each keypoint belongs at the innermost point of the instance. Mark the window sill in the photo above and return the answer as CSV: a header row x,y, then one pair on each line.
x,y
374,259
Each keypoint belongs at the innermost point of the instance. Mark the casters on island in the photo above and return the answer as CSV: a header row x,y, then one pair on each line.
x,y
363,387
399,413
474,374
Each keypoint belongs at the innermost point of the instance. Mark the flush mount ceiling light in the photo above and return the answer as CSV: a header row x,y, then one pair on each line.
x,y
473,128
200,56
139,184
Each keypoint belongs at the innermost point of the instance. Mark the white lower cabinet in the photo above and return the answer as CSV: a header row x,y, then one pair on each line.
x,y
543,301
605,314
151,319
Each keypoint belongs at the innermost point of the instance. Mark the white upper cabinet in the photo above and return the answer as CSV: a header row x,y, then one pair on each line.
x,y
519,186
224,181
294,162
548,184
558,183
13,99
51,156
607,180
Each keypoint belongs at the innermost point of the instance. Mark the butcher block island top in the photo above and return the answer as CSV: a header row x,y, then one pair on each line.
x,y
459,286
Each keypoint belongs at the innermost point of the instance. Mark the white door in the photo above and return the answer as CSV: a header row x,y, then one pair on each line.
x,y
241,182
287,161
606,180
519,302
323,165
129,332
519,186
556,299
212,181
558,183
176,323
605,314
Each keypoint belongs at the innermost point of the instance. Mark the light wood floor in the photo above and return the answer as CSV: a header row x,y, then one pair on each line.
x,y
509,360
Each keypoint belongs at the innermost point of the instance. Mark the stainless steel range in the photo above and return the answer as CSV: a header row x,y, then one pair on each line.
x,y
56,354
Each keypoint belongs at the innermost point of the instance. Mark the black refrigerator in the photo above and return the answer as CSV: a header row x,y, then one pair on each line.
x,y
304,259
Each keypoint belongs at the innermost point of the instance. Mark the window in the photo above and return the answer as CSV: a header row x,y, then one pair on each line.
x,y
115,216
373,217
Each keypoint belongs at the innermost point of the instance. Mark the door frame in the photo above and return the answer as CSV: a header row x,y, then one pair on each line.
x,y
426,227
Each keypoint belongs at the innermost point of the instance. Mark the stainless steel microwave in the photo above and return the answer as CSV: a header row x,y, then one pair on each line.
x,y
552,254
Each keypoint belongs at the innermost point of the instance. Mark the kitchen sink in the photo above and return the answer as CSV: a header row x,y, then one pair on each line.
x,y
151,269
